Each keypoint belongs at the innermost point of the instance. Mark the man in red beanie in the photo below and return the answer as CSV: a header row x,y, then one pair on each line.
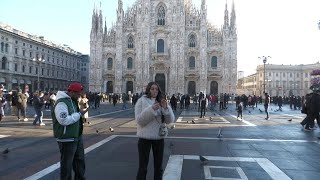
x,y
67,129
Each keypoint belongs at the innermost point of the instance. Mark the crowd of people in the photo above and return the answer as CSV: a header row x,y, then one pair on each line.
x,y
69,111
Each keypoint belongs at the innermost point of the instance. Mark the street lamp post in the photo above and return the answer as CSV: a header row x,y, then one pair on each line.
x,y
38,61
264,60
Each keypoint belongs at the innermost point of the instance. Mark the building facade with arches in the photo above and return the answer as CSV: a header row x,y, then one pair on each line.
x,y
167,41
20,65
285,80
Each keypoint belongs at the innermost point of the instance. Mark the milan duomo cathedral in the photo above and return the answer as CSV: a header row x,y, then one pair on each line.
x,y
166,41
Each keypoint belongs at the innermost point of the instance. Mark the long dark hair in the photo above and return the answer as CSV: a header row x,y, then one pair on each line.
x,y
159,96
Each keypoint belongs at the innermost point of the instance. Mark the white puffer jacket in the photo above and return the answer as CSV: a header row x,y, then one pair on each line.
x,y
148,120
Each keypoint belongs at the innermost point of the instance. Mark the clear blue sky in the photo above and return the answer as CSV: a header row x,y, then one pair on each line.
x,y
286,30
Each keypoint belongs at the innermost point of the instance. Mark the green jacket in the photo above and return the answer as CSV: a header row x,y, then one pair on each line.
x,y
70,132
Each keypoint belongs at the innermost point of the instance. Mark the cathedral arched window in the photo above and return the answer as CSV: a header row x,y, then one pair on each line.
x,y
129,63
192,40
192,62
161,16
110,63
160,46
214,62
130,42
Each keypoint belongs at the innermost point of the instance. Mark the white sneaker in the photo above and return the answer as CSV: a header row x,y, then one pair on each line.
x,y
42,124
25,119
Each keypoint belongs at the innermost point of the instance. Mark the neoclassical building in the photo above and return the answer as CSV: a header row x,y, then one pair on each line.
x,y
285,80
28,61
280,80
167,41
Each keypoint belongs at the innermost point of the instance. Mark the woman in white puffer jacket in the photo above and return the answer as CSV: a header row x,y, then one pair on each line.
x,y
148,111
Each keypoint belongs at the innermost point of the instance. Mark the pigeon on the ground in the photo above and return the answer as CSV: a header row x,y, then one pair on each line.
x,y
193,122
97,131
6,151
171,144
214,114
111,129
249,112
203,160
290,120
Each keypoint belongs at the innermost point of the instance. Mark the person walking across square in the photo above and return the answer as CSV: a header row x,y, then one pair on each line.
x,y
38,102
239,110
266,105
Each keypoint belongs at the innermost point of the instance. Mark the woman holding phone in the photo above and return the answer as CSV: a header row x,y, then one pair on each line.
x,y
151,113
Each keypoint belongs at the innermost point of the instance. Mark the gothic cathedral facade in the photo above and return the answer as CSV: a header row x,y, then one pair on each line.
x,y
167,41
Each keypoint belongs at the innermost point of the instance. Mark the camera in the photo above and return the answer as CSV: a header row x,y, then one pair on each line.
x,y
163,130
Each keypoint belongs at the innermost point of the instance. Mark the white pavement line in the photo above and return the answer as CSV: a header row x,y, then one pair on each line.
x,y
267,165
98,114
271,169
207,173
297,117
233,139
179,119
109,113
174,168
3,136
244,121
223,121
54,167
220,158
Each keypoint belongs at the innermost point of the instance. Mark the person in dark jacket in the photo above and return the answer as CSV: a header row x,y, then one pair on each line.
x,y
67,129
38,102
313,109
266,105
203,105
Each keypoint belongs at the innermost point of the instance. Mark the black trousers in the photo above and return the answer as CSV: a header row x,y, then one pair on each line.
x,y
72,157
266,109
309,120
202,112
239,114
144,146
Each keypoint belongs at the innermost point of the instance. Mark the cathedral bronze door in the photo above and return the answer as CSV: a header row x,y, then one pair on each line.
x,y
109,87
129,87
192,88
214,87
161,80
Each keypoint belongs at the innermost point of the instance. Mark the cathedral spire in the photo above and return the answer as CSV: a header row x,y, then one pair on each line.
x,y
226,17
120,5
233,17
120,10
105,26
203,4
204,9
100,26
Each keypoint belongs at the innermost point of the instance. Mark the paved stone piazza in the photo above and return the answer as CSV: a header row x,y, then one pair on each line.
x,y
253,148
